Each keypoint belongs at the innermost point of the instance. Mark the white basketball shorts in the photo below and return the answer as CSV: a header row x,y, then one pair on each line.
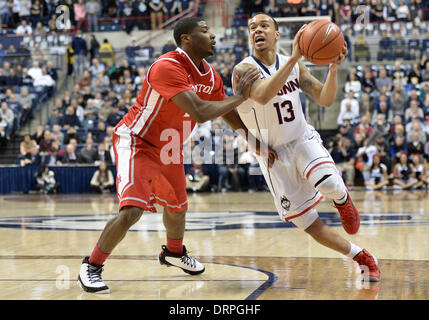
x,y
294,196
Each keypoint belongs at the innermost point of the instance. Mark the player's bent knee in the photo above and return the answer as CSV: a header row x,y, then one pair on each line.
x,y
130,215
332,186
327,179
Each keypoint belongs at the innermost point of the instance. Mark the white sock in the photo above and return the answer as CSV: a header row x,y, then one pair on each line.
x,y
354,251
342,200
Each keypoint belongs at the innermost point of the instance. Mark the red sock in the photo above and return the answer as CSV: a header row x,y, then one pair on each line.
x,y
175,245
98,256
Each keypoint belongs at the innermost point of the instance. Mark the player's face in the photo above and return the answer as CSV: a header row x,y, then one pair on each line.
x,y
203,40
262,32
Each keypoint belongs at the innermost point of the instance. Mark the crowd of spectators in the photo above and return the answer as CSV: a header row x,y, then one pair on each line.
x,y
340,11
383,126
24,74
41,16
385,111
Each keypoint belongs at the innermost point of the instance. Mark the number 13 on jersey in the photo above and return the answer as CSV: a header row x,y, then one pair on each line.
x,y
284,111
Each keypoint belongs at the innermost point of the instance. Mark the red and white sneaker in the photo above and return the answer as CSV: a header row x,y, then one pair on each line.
x,y
369,266
349,215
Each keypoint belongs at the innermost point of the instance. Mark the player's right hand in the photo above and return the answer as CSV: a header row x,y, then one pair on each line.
x,y
245,81
296,51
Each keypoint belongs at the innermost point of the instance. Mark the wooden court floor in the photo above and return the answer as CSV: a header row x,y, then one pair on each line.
x,y
248,252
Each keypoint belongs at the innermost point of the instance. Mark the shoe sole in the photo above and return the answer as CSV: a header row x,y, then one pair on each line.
x,y
192,273
91,290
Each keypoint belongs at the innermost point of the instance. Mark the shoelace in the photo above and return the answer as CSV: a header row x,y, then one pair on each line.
x,y
94,275
188,260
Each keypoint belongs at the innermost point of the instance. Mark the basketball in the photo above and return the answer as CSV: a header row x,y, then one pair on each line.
x,y
321,42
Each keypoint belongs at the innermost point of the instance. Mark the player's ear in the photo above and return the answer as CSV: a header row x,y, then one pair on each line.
x,y
277,35
185,38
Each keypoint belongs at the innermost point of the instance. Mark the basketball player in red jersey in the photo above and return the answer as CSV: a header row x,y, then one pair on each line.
x,y
179,89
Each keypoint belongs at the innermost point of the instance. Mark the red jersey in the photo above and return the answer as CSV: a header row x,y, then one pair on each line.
x,y
154,111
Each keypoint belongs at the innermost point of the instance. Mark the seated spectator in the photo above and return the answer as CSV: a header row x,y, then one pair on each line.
x,y
399,46
383,82
403,173
385,47
24,29
96,67
105,110
419,169
343,155
70,119
196,180
32,158
44,80
382,109
413,96
403,12
46,182
52,158
366,104
51,70
88,154
416,126
100,132
57,135
347,114
397,148
55,117
13,80
353,84
103,153
368,80
26,145
70,156
102,180
6,114
85,81
46,143
26,79
114,117
17,110
415,146
71,134
414,111
415,75
397,103
377,178
397,122
364,127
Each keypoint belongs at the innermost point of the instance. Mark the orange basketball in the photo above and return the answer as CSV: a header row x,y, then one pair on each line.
x,y
321,42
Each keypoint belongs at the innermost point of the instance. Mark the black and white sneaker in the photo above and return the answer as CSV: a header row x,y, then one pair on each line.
x,y
89,278
186,263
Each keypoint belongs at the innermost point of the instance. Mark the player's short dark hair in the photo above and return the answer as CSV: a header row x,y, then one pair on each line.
x,y
185,26
276,25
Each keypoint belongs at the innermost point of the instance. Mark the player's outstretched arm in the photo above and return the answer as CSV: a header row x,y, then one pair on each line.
x,y
323,93
264,90
202,110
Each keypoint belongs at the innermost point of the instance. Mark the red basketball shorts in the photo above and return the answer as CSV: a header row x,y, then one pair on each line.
x,y
142,181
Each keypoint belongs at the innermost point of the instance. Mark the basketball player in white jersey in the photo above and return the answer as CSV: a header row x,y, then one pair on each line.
x,y
304,171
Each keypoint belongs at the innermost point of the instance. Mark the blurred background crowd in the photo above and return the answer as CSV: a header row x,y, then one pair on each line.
x,y
381,131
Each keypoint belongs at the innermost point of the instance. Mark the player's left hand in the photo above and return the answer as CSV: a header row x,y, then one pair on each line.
x,y
272,154
336,64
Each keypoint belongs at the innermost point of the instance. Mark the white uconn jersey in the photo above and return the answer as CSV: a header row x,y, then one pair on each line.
x,y
282,118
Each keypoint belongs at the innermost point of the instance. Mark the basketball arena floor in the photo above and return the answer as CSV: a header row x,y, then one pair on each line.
x,y
248,252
